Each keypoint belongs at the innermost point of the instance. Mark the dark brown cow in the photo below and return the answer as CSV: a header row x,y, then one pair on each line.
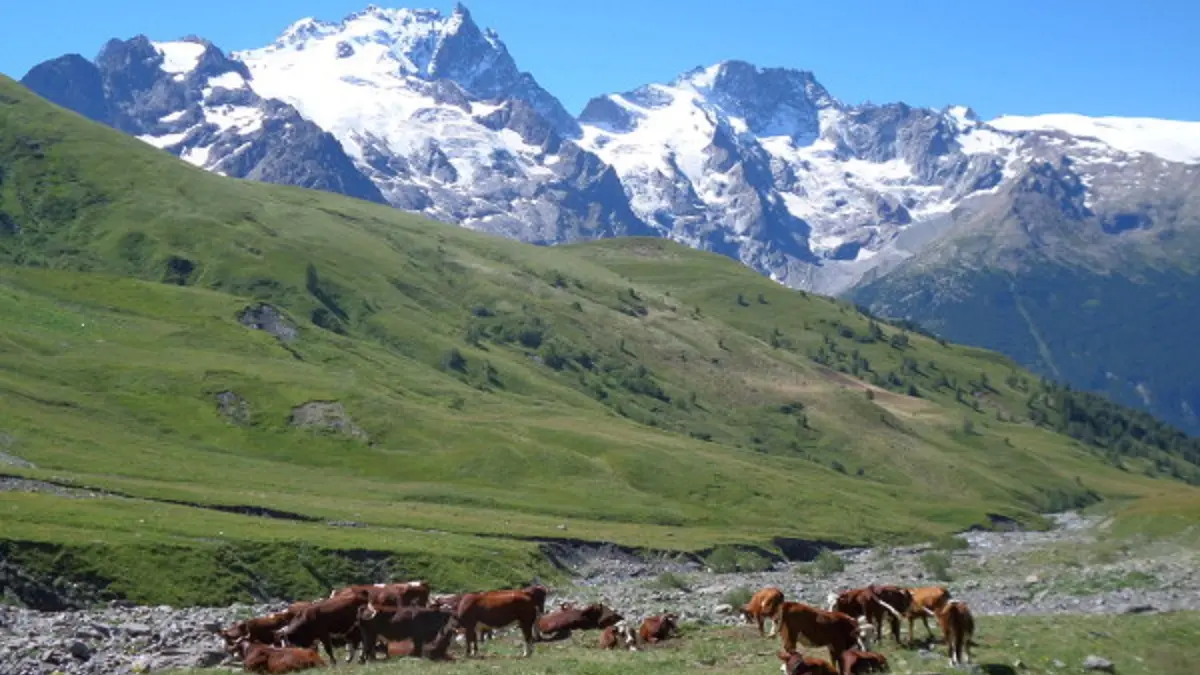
x,y
538,592
896,601
260,658
558,625
762,607
855,662
620,633
327,620
658,628
958,627
421,625
498,609
814,627
869,604
799,664
438,650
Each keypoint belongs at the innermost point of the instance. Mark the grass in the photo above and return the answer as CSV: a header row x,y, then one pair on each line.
x,y
1138,645
949,542
613,391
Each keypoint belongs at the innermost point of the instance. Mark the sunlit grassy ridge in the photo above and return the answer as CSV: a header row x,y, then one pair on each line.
x,y
632,391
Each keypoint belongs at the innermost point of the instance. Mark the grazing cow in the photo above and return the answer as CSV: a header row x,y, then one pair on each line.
x,y
620,633
896,601
498,609
421,625
855,662
799,664
762,607
327,620
926,601
814,627
558,625
658,628
958,627
260,658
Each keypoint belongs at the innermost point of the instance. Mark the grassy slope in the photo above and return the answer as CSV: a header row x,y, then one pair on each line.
x,y
619,390
1137,645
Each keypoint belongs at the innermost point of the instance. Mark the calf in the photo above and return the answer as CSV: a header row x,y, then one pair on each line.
x,y
421,625
658,628
799,664
620,633
260,658
926,601
260,629
855,662
327,620
497,609
813,627
762,607
958,627
558,625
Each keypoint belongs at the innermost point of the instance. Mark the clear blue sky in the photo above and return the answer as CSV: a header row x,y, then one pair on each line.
x,y
1097,57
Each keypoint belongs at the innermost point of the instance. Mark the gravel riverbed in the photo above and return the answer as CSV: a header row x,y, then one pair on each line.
x,y
1063,570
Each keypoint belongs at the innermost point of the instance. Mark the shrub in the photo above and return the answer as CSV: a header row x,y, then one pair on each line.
x,y
829,563
670,581
937,565
725,559
737,597
949,542
454,360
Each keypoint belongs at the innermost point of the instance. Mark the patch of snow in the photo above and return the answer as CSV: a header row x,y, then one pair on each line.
x,y
179,57
197,156
1171,140
245,119
164,141
980,140
173,117
230,80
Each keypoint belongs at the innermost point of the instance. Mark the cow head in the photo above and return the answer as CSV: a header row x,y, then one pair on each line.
x,y
831,601
608,617
792,662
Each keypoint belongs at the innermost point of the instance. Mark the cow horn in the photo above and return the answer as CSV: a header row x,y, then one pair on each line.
x,y
371,612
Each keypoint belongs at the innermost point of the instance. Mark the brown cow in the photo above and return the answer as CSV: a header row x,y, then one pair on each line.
x,y
814,627
926,602
763,607
260,629
658,628
327,620
872,603
855,662
896,601
434,651
558,625
407,594
958,627
260,658
799,664
620,633
497,609
421,625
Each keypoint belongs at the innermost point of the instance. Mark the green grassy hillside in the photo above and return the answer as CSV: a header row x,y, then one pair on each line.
x,y
632,391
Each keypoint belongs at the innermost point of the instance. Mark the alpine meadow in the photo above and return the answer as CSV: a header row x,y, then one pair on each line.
x,y
214,376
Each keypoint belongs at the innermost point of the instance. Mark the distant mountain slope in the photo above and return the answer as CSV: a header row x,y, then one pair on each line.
x,y
888,204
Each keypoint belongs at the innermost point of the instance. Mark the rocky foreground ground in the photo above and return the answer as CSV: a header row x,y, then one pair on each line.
x,y
1065,570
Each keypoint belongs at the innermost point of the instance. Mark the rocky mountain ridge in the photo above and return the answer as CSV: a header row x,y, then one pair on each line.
x,y
885,203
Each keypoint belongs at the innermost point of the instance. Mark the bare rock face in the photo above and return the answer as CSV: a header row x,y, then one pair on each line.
x,y
266,318
233,407
326,416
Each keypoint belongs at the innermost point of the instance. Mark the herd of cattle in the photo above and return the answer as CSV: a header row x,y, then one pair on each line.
x,y
404,620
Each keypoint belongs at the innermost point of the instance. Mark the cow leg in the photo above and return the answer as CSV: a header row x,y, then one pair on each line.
x,y
327,643
418,647
895,622
368,644
471,639
527,628
925,620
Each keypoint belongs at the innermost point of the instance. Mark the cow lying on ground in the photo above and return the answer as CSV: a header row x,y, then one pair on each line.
x,y
814,627
799,664
421,625
958,627
326,621
620,634
498,609
260,658
558,625
926,602
658,628
762,607
855,662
